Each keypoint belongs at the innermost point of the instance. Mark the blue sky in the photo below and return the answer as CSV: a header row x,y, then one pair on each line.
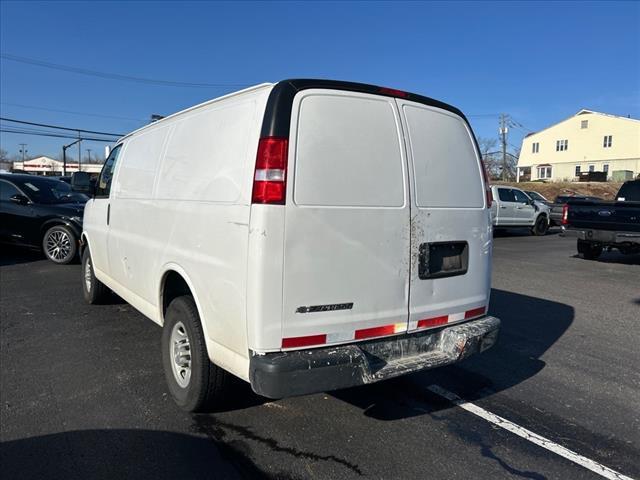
x,y
539,62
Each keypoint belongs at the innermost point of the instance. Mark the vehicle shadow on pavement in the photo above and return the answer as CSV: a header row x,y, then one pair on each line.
x,y
112,454
520,232
12,255
530,326
615,257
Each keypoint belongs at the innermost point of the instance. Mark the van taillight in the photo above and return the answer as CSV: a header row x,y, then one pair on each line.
x,y
270,179
487,187
565,214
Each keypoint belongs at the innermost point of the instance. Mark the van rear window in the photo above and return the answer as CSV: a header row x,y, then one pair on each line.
x,y
348,152
447,171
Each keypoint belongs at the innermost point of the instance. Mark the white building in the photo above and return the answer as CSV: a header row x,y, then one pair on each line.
x,y
586,142
49,166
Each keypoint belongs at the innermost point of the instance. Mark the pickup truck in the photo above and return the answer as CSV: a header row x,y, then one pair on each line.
x,y
557,206
600,225
513,208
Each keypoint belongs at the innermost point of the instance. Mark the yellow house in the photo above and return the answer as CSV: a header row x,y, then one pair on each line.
x,y
587,141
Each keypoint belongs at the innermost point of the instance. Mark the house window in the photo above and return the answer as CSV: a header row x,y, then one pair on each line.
x,y
608,140
544,172
584,124
577,170
535,147
562,145
605,168
592,168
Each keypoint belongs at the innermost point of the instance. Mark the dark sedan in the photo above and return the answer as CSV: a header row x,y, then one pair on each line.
x,y
41,212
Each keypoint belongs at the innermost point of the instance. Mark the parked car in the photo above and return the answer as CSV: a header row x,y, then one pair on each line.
x,y
512,208
598,224
41,212
538,197
382,269
559,203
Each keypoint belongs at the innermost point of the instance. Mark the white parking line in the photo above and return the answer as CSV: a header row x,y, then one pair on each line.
x,y
606,472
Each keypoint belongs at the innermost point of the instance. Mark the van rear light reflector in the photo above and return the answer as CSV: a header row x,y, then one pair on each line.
x,y
380,331
433,322
475,312
565,214
393,92
487,187
293,342
270,179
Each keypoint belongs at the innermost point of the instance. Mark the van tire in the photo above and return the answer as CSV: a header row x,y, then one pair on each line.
x,y
588,250
205,388
541,226
60,244
94,291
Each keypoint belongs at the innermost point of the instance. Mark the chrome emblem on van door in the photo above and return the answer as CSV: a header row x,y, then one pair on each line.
x,y
325,308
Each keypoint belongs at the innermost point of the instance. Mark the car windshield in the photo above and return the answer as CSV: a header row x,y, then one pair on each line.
x,y
536,196
50,191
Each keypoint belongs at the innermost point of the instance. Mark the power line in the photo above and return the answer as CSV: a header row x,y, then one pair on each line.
x,y
115,117
55,135
114,76
61,128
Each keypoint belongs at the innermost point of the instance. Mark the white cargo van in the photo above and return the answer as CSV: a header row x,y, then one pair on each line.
x,y
305,236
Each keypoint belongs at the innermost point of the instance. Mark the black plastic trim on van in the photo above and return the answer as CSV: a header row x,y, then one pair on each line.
x,y
277,116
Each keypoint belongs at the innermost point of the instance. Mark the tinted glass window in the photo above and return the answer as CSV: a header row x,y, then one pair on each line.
x,y
106,175
520,196
49,190
536,196
630,192
7,191
506,195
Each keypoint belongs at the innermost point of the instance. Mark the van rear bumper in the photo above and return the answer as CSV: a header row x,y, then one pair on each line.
x,y
300,372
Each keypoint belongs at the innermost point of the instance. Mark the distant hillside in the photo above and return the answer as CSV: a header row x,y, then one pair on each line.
x,y
551,190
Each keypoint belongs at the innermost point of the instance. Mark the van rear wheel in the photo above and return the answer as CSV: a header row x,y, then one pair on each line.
x,y
194,382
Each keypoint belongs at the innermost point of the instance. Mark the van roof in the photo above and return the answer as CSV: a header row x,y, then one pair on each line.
x,y
208,102
278,112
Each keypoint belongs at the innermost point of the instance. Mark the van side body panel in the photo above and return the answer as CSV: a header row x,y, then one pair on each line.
x,y
183,198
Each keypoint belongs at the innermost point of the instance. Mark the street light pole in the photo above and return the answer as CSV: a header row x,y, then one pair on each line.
x,y
64,156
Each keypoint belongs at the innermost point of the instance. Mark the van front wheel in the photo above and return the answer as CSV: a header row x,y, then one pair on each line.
x,y
93,290
194,382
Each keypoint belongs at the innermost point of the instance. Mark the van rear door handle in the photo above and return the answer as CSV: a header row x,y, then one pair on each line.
x,y
503,207
108,212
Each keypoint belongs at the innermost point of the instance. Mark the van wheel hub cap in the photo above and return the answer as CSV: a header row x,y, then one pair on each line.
x,y
180,353
58,245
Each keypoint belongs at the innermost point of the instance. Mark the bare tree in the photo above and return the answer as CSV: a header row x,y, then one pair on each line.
x,y
4,155
490,156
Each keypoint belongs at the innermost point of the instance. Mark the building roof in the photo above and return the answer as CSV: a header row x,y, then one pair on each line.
x,y
584,111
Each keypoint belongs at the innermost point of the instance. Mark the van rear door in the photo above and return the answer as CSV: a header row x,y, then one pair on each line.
x,y
346,266
450,224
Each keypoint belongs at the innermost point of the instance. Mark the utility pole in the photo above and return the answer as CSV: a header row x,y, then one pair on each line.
x,y
23,151
89,154
79,152
503,138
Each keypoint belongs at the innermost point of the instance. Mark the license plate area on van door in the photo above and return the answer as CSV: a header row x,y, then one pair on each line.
x,y
443,259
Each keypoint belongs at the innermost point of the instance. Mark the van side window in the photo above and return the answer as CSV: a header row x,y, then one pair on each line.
x,y
506,195
106,175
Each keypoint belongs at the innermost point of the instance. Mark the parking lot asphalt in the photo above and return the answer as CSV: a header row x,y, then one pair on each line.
x,y
82,393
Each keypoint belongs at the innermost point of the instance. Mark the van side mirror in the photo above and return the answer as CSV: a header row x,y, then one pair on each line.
x,y
81,182
19,199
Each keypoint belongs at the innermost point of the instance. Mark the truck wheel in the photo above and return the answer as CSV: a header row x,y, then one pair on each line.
x,y
93,290
60,245
194,382
541,226
588,250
